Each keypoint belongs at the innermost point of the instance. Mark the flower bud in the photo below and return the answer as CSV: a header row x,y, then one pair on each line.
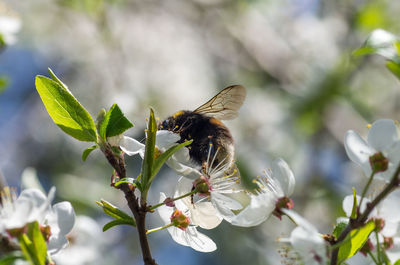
x,y
169,202
180,220
282,203
379,224
388,242
379,162
202,185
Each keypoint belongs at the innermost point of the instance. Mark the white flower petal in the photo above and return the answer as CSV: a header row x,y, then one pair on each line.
x,y
202,214
390,229
300,221
348,205
358,150
182,169
56,243
260,208
192,238
389,208
166,139
65,216
283,173
165,212
131,146
382,134
225,205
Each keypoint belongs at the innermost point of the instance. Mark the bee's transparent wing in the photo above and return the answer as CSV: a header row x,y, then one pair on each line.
x,y
224,105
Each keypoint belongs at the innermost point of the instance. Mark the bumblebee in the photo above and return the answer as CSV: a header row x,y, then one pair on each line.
x,y
211,138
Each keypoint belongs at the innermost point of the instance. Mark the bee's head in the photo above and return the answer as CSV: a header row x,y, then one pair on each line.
x,y
173,122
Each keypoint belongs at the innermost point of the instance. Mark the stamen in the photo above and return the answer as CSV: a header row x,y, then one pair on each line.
x,y
208,157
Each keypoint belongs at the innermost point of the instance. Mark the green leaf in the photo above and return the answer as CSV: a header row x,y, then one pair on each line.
x,y
10,258
118,222
38,242
397,262
65,110
114,123
339,228
3,83
113,211
87,152
159,161
354,241
148,159
394,68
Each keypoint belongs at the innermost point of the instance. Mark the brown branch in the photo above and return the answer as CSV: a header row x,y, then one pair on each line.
x,y
362,218
7,245
138,211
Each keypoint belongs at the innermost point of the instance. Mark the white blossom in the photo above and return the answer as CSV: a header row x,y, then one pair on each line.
x,y
382,137
32,205
277,183
306,240
187,237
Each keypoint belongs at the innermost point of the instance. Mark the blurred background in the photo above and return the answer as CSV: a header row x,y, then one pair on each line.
x,y
294,57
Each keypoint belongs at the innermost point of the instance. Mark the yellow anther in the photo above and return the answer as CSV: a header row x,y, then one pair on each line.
x,y
369,125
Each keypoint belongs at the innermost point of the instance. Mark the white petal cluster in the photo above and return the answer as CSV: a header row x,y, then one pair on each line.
x,y
382,137
278,182
32,205
188,237
306,240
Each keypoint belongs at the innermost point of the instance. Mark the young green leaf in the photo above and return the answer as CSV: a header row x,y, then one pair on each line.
x,y
148,159
87,152
114,123
339,228
397,262
118,222
65,110
354,241
38,241
113,211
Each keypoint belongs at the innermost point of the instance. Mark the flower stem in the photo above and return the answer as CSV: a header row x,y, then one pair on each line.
x,y
378,248
159,228
173,199
372,257
360,219
371,177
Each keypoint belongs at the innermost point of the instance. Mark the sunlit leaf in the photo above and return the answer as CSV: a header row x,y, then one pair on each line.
x,y
339,228
113,211
65,110
114,123
148,159
118,222
354,241
87,152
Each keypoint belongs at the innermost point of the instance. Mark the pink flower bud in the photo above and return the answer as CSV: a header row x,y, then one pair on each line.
x,y
169,202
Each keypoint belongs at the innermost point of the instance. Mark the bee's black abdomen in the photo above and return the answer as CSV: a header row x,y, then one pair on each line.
x,y
203,130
